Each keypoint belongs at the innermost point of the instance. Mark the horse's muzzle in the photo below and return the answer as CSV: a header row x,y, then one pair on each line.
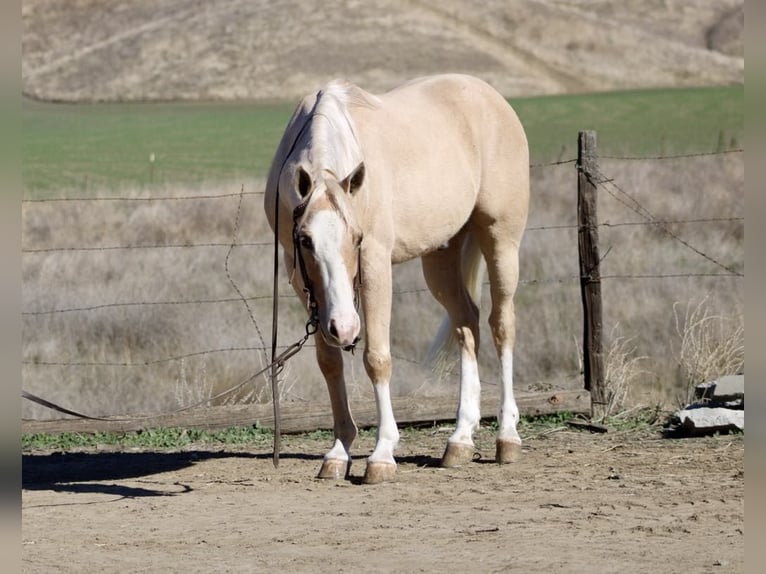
x,y
343,333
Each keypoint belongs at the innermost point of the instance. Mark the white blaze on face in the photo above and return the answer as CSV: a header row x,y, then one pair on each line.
x,y
329,234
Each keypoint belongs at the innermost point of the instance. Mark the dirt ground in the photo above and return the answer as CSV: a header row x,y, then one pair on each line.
x,y
625,501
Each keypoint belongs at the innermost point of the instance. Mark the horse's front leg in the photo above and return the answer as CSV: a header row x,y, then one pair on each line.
x,y
337,461
376,301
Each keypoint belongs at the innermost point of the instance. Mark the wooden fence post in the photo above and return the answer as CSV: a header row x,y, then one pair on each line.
x,y
590,274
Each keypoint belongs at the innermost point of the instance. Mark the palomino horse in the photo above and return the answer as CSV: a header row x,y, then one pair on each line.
x,y
438,169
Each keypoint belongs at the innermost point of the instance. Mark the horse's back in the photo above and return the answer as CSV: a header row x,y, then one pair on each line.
x,y
445,147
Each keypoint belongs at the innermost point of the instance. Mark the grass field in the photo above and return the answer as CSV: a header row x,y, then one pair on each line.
x,y
98,148
108,146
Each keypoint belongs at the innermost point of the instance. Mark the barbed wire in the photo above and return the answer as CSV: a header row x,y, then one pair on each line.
x,y
232,282
142,364
147,363
637,223
146,304
260,192
228,245
672,221
612,188
270,242
408,291
553,163
672,156
551,227
635,206
130,198
671,275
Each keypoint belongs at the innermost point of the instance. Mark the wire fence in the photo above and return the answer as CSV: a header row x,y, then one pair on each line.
x,y
615,191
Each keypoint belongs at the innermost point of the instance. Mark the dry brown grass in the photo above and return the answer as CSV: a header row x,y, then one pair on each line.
x,y
710,345
622,371
178,353
260,49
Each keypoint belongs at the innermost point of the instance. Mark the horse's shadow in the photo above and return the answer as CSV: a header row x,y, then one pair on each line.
x,y
421,461
82,472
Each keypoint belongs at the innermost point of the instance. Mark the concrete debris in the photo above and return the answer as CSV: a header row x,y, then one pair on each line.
x,y
728,391
707,420
719,406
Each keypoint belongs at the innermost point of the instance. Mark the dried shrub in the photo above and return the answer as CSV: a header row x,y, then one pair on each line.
x,y
711,344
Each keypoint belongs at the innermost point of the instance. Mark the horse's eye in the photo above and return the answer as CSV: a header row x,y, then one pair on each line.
x,y
306,242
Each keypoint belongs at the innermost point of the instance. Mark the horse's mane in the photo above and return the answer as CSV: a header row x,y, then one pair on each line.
x,y
335,146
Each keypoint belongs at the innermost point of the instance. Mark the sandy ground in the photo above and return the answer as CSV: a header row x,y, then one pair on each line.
x,y
626,501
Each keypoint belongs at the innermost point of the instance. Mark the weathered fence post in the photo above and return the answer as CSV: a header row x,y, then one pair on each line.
x,y
590,275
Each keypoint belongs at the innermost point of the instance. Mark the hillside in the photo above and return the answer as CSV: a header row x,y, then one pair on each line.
x,y
99,50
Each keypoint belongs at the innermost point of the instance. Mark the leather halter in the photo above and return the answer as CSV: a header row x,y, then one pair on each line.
x,y
308,285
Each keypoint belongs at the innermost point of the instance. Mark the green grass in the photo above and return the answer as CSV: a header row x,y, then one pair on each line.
x,y
152,438
173,438
96,148
637,123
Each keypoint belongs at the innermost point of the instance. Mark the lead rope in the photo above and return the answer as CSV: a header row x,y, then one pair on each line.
x,y
274,322
312,325
278,363
275,369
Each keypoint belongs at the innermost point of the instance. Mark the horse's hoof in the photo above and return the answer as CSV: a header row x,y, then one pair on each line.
x,y
457,454
378,472
334,469
507,451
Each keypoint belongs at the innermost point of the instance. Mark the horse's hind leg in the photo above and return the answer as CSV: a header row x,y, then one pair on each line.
x,y
501,252
442,271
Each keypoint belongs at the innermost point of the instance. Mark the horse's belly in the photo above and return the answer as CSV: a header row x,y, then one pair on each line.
x,y
423,226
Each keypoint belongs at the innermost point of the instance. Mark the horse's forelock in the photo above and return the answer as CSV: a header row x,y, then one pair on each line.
x,y
339,202
329,195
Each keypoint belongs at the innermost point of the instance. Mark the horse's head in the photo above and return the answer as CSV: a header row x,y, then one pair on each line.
x,y
327,243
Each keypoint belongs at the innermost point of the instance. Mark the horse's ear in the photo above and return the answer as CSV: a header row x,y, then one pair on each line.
x,y
303,182
354,181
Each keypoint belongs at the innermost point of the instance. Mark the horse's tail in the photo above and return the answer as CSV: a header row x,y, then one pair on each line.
x,y
474,269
